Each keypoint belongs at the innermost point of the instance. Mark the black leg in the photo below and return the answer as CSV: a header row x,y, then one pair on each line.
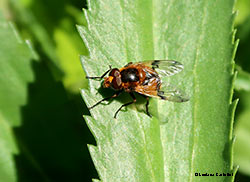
x,y
147,107
99,77
113,96
147,98
134,100
128,64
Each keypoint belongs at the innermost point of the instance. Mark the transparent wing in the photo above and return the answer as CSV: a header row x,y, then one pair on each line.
x,y
174,96
165,67
165,93
171,94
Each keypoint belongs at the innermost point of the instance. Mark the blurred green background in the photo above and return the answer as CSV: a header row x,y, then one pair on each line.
x,y
53,136
242,87
54,148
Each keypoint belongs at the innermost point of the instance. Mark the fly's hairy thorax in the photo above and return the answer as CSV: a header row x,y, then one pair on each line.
x,y
139,75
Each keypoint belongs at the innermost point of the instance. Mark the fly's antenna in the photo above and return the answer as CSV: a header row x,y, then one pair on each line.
x,y
100,77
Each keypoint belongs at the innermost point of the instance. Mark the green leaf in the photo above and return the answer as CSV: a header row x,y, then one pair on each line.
x,y
16,73
180,139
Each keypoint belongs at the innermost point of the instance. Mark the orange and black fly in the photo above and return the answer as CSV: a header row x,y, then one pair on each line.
x,y
143,78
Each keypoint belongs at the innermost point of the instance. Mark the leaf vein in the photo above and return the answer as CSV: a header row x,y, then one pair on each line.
x,y
195,138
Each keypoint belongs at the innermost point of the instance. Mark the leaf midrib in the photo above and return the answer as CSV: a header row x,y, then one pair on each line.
x,y
136,113
195,89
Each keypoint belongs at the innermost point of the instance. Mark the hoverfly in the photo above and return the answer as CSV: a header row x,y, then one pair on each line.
x,y
143,78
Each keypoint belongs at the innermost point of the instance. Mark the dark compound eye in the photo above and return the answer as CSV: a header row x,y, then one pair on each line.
x,y
114,72
116,83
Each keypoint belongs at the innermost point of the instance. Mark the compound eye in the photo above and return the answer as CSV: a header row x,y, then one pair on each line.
x,y
114,72
116,83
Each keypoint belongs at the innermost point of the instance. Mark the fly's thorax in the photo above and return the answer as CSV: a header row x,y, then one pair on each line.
x,y
130,75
